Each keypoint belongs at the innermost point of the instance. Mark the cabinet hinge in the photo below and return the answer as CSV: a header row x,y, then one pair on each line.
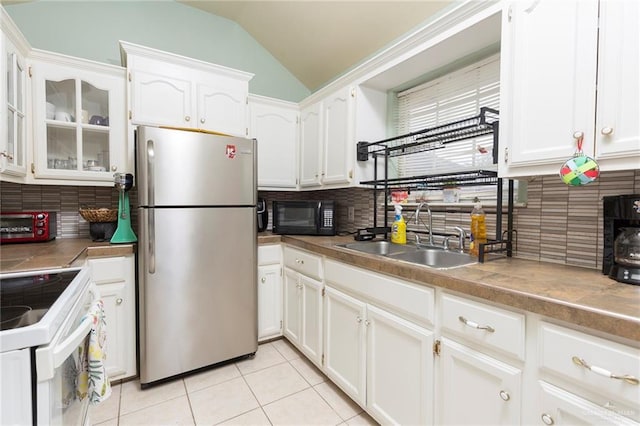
x,y
353,92
130,115
322,359
506,154
323,291
436,347
280,324
509,17
246,131
129,75
30,71
33,168
351,174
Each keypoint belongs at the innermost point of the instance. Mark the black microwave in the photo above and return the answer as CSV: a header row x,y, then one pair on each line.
x,y
304,217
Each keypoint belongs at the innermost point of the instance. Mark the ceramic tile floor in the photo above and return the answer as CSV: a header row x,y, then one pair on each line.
x,y
278,386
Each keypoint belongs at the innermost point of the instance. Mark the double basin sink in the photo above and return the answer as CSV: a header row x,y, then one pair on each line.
x,y
433,257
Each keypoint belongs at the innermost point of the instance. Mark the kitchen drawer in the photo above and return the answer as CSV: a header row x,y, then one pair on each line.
x,y
107,269
487,325
406,299
559,346
303,262
268,255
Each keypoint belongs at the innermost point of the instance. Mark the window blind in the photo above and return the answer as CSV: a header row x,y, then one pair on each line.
x,y
455,96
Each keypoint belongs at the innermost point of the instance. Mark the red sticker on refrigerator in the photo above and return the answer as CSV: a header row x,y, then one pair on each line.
x,y
231,151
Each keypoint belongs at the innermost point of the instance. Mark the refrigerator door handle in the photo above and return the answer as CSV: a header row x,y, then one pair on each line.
x,y
151,247
151,155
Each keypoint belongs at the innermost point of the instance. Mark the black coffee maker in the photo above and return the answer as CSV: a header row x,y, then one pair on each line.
x,y
621,219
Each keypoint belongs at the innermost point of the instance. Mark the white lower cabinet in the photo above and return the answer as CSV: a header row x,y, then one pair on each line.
x,y
489,390
586,379
303,302
559,407
381,360
269,292
115,278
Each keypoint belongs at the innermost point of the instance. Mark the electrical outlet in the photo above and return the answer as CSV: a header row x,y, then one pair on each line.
x,y
351,214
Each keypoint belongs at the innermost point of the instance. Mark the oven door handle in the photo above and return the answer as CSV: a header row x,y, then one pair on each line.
x,y
49,359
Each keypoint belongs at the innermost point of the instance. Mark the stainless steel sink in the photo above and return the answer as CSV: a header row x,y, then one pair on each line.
x,y
435,258
383,248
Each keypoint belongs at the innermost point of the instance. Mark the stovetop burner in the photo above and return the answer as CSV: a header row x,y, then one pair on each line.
x,y
24,300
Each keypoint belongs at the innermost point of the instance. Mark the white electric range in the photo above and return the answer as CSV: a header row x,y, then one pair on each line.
x,y
42,325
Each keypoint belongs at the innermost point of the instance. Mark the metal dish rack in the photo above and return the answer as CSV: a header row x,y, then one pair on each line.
x,y
485,123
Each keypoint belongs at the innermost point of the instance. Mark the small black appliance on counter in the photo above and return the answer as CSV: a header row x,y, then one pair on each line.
x,y
621,251
263,214
304,217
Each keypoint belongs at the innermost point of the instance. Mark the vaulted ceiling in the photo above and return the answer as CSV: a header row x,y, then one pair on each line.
x,y
319,40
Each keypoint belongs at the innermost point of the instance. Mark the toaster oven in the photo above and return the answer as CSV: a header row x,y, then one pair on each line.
x,y
27,227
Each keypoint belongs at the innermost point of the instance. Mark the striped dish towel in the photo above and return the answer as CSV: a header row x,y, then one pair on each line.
x,y
92,381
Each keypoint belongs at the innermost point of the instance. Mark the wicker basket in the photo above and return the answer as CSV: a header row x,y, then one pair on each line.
x,y
99,215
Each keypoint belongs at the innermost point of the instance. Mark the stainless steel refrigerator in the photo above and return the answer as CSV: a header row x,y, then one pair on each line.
x,y
197,250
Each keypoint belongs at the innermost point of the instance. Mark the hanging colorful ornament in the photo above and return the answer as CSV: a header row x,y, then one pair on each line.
x,y
581,169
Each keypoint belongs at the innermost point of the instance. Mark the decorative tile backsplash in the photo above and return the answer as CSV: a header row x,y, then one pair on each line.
x,y
559,224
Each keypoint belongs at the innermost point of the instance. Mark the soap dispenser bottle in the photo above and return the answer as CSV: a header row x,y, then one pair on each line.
x,y
399,227
478,229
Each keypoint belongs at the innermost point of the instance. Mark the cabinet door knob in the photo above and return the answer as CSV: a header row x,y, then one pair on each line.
x,y
119,301
367,322
187,118
505,395
202,120
358,319
547,419
114,168
606,131
263,280
578,135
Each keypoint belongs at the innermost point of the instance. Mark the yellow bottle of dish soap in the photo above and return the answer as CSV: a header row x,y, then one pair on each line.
x,y
399,227
478,229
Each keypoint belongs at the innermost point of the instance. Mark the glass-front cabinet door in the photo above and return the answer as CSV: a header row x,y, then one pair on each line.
x,y
80,121
13,141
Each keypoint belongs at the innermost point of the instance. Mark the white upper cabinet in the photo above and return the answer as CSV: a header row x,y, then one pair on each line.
x,y
337,137
172,90
79,119
13,138
617,132
329,131
310,148
553,54
274,124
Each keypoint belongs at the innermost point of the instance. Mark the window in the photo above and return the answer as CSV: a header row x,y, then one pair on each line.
x,y
455,96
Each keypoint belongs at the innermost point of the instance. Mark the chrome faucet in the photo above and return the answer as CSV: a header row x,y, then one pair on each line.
x,y
417,221
461,237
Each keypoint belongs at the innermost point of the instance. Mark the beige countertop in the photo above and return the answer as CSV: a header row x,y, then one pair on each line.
x,y
580,296
59,253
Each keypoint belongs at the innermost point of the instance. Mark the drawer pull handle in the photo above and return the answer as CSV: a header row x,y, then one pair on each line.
x,y
476,325
547,419
119,301
505,395
300,261
358,319
606,373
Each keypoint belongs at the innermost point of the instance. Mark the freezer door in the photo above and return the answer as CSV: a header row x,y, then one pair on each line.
x,y
182,168
197,288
